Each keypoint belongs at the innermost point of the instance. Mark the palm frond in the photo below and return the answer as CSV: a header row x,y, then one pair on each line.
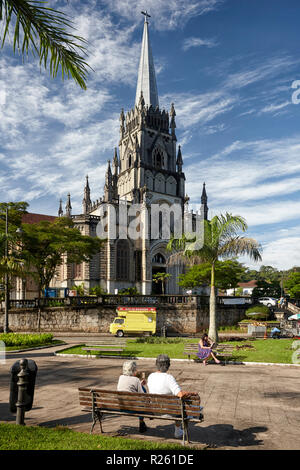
x,y
12,266
238,246
44,31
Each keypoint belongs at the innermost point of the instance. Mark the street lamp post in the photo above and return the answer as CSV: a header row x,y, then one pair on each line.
x,y
6,300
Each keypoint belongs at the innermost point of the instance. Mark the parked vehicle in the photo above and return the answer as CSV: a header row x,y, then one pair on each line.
x,y
268,301
134,320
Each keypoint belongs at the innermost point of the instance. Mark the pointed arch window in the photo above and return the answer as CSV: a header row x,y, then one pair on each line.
x,y
123,260
159,259
158,158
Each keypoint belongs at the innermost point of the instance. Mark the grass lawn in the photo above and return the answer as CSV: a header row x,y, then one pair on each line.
x,y
260,350
13,437
37,345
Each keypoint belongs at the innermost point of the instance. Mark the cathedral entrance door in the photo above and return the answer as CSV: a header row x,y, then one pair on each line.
x,y
157,287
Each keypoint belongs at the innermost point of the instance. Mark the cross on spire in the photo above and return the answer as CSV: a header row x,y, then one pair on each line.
x,y
146,15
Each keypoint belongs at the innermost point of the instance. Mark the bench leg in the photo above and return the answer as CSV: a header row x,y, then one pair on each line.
x,y
96,416
185,428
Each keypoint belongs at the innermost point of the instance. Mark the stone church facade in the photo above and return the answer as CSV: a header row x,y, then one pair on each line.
x,y
144,179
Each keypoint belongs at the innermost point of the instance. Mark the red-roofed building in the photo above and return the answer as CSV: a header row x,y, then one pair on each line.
x,y
246,286
31,218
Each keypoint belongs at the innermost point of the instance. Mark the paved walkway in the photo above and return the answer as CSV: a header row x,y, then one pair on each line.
x,y
245,407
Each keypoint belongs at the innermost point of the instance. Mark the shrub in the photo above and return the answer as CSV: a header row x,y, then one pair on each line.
x,y
97,290
19,339
262,312
158,340
129,291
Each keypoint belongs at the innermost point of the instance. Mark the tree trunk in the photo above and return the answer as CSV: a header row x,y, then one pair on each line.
x,y
39,309
213,332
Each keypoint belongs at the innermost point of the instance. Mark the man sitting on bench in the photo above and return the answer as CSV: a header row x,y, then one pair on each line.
x,y
165,384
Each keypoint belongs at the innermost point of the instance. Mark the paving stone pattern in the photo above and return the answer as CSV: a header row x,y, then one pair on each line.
x,y
245,407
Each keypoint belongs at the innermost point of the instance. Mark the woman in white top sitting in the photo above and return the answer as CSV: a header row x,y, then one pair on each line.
x,y
162,383
128,382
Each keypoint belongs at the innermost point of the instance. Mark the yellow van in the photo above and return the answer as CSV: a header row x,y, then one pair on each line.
x,y
134,320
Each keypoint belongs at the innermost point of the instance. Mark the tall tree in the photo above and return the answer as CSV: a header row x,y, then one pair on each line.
x,y
227,275
220,240
44,244
10,264
292,284
45,32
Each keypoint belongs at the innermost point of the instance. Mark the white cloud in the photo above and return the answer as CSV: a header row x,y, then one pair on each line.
x,y
259,71
164,15
274,107
198,42
192,108
250,178
282,253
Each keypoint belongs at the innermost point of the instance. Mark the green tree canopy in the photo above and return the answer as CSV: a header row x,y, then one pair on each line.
x,y
44,244
10,262
292,285
269,274
267,288
227,275
44,32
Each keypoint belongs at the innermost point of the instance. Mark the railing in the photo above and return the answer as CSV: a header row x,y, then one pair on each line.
x,y
115,300
23,303
293,308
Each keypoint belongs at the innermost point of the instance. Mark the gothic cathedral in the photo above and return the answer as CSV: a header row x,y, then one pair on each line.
x,y
146,173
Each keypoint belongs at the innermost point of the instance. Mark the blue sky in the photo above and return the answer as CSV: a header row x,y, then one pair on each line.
x,y
228,66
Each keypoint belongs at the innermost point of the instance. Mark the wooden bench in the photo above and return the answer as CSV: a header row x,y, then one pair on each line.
x,y
146,405
106,345
221,350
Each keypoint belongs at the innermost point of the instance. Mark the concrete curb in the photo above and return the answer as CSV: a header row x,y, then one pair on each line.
x,y
92,356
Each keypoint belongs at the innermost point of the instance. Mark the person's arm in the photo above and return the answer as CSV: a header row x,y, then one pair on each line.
x,y
202,345
183,394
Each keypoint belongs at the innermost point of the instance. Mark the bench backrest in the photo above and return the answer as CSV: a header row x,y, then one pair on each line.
x,y
193,346
107,342
144,403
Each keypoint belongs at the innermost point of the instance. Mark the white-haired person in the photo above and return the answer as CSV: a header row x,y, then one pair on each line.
x,y
128,382
163,383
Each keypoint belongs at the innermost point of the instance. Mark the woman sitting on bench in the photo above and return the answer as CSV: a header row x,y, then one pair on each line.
x,y
205,350
128,382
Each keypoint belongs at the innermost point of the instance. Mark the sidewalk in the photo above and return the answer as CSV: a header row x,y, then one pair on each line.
x,y
244,407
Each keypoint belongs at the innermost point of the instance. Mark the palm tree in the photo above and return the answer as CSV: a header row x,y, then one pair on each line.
x,y
220,240
44,31
161,278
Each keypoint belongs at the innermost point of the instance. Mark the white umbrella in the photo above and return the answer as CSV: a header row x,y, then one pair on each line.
x,y
296,316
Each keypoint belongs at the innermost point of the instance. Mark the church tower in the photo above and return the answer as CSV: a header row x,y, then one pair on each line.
x,y
145,172
147,144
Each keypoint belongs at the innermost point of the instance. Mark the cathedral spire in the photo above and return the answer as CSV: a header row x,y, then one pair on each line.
x,y
116,162
60,209
87,203
179,161
108,189
68,206
204,208
146,83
